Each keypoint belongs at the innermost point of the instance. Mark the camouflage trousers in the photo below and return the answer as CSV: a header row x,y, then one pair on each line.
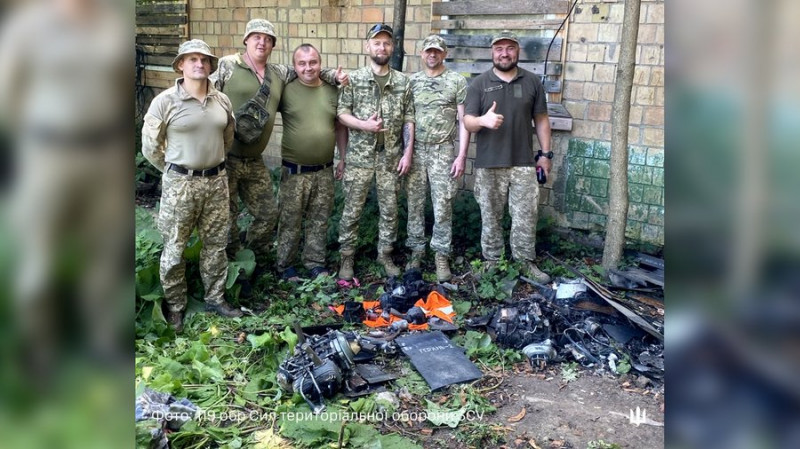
x,y
309,196
431,164
249,180
517,186
356,185
189,202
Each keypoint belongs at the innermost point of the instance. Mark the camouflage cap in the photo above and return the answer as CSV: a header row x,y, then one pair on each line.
x,y
194,46
434,41
260,26
380,28
505,35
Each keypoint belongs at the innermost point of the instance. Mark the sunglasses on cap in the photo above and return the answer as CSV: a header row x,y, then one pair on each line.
x,y
378,28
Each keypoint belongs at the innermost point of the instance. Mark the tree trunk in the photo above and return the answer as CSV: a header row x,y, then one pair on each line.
x,y
398,25
620,113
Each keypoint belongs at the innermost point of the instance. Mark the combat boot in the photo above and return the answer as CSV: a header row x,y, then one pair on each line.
x,y
224,309
535,273
175,319
443,273
385,259
416,259
347,262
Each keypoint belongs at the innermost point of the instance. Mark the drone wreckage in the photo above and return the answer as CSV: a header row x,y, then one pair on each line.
x,y
549,326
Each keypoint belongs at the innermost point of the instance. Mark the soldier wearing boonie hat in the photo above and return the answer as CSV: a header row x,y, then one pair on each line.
x,y
260,26
240,76
187,132
194,46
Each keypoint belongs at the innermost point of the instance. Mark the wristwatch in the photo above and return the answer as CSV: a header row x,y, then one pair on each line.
x,y
548,155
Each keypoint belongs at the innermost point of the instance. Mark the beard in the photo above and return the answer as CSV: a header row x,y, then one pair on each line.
x,y
505,66
380,59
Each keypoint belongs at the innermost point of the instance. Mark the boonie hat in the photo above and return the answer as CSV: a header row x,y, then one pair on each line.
x,y
194,46
434,41
260,26
380,28
505,35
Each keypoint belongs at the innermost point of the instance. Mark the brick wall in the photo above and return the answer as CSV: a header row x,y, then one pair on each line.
x,y
577,194
580,195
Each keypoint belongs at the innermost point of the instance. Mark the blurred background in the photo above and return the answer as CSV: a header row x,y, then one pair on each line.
x,y
66,223
732,242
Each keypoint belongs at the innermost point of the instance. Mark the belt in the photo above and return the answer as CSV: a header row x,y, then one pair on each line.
x,y
297,168
207,172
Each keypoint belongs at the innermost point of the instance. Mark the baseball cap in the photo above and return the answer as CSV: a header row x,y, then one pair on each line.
x,y
505,35
260,26
434,41
194,46
380,28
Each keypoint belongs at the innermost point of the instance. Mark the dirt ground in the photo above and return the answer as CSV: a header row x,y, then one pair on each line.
x,y
570,415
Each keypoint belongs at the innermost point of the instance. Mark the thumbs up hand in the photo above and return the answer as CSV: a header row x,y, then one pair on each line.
x,y
491,119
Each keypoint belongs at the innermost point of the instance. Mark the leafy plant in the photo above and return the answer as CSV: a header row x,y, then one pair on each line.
x,y
569,371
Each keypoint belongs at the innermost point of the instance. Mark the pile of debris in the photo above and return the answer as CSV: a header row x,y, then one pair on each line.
x,y
579,319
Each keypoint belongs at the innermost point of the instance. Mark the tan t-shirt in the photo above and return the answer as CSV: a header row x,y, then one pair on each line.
x,y
179,129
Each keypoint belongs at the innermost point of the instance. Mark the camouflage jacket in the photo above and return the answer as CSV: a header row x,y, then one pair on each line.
x,y
395,105
436,100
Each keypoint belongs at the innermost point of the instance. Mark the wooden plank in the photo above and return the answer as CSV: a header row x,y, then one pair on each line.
x,y
159,40
648,260
166,30
159,49
159,60
533,51
485,41
553,68
496,24
161,8
475,7
161,20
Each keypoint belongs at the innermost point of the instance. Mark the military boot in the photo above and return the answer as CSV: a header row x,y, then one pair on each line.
x,y
535,273
175,319
416,259
385,259
347,262
443,273
224,309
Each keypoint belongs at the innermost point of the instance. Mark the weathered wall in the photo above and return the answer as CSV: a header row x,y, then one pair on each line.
x,y
580,195
577,195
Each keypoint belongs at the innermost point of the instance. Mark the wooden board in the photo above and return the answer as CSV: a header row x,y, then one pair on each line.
x,y
161,8
553,68
496,24
482,7
529,51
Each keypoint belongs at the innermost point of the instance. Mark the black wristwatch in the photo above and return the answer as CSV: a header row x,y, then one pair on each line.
x,y
548,155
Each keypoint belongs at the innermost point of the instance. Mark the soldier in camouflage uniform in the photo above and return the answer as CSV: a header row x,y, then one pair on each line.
x,y
501,105
310,133
187,132
239,76
378,107
439,95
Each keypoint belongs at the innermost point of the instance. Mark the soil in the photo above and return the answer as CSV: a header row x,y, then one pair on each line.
x,y
569,415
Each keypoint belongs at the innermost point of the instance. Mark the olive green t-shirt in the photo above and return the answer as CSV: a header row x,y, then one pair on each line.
x,y
309,115
381,80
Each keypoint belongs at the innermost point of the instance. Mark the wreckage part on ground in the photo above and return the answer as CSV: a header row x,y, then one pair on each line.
x,y
315,369
156,412
437,310
439,362
607,296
